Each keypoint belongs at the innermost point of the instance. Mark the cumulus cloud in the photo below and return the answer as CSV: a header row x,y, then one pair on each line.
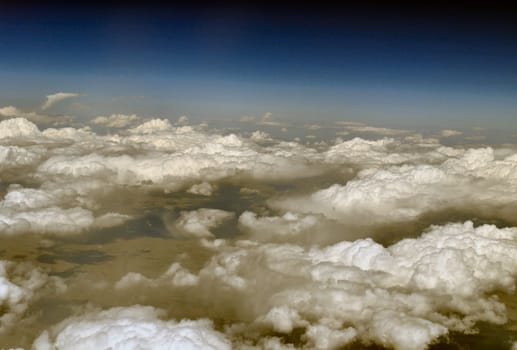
x,y
202,189
286,228
135,327
116,120
404,296
260,136
13,112
183,120
269,120
404,192
57,97
20,285
198,223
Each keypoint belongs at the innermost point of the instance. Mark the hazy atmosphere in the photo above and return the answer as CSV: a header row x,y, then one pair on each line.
x,y
258,177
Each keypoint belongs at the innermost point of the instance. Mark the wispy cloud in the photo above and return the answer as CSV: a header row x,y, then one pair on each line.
x,y
55,98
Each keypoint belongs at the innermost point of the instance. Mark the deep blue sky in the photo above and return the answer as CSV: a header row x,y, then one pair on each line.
x,y
390,65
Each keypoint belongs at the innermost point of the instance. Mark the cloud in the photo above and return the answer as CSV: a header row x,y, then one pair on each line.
x,y
289,227
13,112
116,120
198,223
375,130
404,296
202,189
135,327
260,136
183,120
17,127
474,180
289,271
55,98
268,119
450,133
20,285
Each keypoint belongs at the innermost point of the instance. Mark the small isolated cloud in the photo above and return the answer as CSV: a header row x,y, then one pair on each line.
x,y
450,133
198,223
116,120
202,189
183,120
267,119
259,135
55,98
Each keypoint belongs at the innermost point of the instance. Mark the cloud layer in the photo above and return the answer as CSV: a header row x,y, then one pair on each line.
x,y
276,242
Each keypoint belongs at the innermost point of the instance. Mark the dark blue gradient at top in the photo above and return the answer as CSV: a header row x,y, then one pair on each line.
x,y
360,47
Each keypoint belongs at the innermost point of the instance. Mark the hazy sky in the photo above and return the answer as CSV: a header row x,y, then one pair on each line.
x,y
431,64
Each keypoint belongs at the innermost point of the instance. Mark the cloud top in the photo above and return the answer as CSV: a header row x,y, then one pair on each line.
x,y
57,97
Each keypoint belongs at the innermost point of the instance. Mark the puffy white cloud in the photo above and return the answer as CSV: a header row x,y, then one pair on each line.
x,y
183,120
198,223
116,120
404,296
42,119
19,286
260,136
202,189
154,125
286,228
176,275
269,120
135,327
405,192
17,128
55,98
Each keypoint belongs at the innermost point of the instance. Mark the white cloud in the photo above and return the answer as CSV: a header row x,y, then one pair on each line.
x,y
375,130
116,120
269,120
13,112
286,228
55,98
450,133
20,285
400,193
260,136
198,223
135,327
202,189
183,120
404,296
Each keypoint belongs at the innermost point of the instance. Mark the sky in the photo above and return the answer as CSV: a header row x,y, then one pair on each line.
x,y
396,65
259,176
